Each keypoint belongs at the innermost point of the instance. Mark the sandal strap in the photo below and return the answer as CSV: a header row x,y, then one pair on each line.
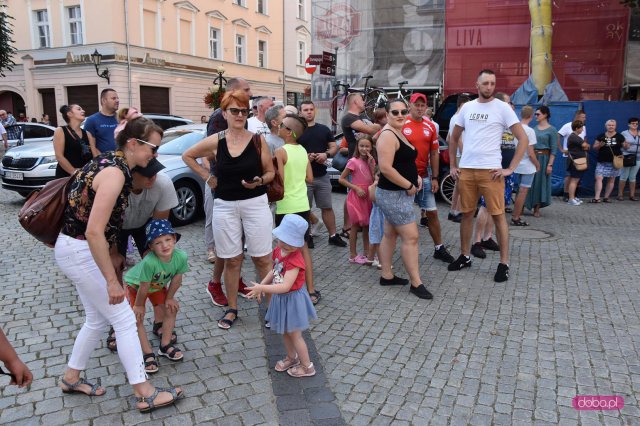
x,y
82,381
170,350
157,326
149,399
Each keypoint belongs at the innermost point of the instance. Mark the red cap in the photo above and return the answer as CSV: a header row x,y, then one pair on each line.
x,y
416,96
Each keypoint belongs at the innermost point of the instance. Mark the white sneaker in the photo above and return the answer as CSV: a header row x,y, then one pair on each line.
x,y
316,228
574,202
376,263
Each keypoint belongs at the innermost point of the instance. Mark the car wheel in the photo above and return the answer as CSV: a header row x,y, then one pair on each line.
x,y
189,203
447,185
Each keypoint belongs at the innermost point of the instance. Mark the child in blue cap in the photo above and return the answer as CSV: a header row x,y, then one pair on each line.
x,y
157,277
290,308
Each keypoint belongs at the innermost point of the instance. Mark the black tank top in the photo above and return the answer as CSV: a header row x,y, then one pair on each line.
x,y
76,150
230,172
405,163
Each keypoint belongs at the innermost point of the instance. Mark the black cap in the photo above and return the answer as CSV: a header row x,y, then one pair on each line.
x,y
151,170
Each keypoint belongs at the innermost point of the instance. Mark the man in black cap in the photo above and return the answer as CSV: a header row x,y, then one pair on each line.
x,y
152,197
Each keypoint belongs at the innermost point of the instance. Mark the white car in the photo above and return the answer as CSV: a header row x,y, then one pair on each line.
x,y
32,133
28,167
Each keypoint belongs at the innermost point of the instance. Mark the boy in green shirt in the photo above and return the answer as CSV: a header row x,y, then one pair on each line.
x,y
157,277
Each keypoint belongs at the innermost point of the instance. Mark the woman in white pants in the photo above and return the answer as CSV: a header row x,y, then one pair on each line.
x,y
86,252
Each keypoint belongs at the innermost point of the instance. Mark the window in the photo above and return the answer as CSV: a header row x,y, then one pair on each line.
x,y
74,16
262,53
42,28
262,6
301,9
302,52
240,49
214,43
242,3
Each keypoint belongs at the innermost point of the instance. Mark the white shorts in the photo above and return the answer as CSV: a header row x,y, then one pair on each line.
x,y
232,218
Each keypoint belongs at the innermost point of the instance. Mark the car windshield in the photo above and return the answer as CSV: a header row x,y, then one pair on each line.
x,y
175,143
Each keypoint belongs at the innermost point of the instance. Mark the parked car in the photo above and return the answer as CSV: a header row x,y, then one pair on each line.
x,y
28,167
167,121
446,110
31,133
189,186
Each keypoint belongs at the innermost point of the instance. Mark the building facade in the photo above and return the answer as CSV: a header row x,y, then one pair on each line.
x,y
297,45
161,55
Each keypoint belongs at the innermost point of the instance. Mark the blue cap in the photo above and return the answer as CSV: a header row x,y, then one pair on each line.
x,y
291,230
159,227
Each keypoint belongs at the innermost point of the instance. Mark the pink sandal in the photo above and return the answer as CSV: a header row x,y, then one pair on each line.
x,y
287,363
302,371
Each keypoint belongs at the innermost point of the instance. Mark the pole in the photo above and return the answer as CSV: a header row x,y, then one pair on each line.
x,y
126,32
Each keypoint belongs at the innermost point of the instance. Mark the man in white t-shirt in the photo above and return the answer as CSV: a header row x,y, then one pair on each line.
x,y
565,131
258,123
480,170
527,167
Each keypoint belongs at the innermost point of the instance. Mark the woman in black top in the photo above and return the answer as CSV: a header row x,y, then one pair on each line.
x,y
607,144
243,167
397,187
70,142
577,148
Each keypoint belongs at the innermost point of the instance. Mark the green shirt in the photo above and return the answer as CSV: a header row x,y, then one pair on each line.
x,y
295,187
153,270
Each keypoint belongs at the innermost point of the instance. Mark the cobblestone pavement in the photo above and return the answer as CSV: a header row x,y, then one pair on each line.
x,y
565,324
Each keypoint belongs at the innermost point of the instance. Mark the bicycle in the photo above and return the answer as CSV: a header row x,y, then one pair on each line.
x,y
339,101
377,97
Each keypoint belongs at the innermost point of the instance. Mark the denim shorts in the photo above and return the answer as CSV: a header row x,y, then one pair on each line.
x,y
376,225
424,198
525,181
396,206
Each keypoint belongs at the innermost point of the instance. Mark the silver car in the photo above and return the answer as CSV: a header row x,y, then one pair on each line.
x,y
189,186
32,133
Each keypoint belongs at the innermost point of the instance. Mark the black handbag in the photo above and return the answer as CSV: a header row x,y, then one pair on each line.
x,y
631,159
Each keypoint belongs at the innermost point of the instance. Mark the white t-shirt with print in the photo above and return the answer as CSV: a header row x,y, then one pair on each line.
x,y
526,167
484,124
565,131
258,127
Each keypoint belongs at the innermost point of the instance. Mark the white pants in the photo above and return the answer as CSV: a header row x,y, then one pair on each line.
x,y
76,262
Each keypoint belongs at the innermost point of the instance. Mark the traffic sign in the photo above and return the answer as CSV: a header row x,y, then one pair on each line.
x,y
310,69
327,69
315,59
328,57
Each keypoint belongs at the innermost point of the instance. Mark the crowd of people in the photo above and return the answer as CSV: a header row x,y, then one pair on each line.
x,y
390,166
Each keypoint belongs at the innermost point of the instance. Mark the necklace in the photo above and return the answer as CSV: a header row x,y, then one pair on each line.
x,y
233,141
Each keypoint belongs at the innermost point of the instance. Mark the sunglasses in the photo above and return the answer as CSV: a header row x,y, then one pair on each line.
x,y
537,113
154,148
396,112
284,126
6,373
236,111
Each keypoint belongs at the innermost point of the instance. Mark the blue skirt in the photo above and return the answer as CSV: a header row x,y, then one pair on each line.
x,y
291,312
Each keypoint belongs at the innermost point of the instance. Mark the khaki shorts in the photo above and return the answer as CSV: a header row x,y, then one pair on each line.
x,y
472,183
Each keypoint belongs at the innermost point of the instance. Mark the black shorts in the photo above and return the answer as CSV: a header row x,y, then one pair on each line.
x,y
305,215
139,236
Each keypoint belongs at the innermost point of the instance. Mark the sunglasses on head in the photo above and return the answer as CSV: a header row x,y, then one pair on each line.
x,y
397,112
154,148
284,126
236,111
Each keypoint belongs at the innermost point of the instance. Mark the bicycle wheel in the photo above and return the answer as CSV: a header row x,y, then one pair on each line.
x,y
336,108
371,103
447,185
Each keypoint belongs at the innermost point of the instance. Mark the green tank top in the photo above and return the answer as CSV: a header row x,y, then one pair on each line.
x,y
295,188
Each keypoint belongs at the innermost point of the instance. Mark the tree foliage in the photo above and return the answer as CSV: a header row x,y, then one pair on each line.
x,y
7,50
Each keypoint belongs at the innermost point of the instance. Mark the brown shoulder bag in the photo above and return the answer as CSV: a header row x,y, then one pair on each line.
x,y
275,188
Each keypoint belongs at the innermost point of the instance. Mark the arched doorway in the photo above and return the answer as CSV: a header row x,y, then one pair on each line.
x,y
12,102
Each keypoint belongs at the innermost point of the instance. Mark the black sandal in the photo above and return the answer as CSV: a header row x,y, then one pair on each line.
x,y
225,323
149,400
170,352
153,363
345,233
606,200
518,222
73,387
157,330
315,297
595,201
112,345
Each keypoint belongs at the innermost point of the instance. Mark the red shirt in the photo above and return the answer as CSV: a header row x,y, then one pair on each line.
x,y
283,264
423,136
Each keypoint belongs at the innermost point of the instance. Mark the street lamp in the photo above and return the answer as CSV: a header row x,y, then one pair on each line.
x,y
220,80
96,58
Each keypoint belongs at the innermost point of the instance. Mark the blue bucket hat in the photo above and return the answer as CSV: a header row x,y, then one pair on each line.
x,y
291,230
159,227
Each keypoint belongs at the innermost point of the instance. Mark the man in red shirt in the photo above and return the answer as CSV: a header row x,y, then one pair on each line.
x,y
422,134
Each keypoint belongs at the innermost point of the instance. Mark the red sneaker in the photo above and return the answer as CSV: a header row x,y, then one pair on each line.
x,y
243,291
216,294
